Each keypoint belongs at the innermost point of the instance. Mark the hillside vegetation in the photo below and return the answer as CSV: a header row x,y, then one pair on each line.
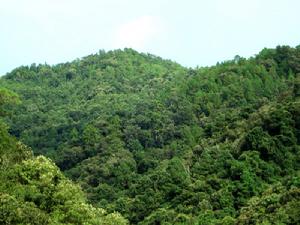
x,y
34,191
154,141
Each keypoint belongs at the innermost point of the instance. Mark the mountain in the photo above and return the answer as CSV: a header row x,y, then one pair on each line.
x,y
164,144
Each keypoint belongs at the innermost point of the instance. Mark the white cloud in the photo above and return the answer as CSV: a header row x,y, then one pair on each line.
x,y
139,32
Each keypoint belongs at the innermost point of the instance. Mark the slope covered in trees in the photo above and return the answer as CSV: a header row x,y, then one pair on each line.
x,y
164,144
34,191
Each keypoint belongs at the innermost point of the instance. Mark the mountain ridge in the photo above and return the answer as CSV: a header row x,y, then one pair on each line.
x,y
161,143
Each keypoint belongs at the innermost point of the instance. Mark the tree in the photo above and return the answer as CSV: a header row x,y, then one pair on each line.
x,y
90,135
7,98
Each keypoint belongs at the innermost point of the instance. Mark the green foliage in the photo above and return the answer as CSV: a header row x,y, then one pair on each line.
x,y
154,141
279,204
34,191
7,98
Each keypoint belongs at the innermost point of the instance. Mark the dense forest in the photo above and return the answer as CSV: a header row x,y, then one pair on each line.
x,y
123,137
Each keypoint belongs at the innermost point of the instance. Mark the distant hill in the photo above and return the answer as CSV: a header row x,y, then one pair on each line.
x,y
164,144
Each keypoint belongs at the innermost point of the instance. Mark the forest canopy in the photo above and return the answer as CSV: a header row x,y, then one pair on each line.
x,y
125,137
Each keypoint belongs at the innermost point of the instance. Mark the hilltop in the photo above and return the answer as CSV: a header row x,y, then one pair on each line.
x,y
164,144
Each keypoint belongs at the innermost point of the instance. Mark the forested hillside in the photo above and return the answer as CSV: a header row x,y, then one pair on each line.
x,y
157,142
34,191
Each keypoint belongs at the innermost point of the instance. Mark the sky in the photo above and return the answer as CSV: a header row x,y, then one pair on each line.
x,y
190,32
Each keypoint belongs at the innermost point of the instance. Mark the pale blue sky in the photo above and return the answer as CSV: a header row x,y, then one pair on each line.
x,y
191,32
